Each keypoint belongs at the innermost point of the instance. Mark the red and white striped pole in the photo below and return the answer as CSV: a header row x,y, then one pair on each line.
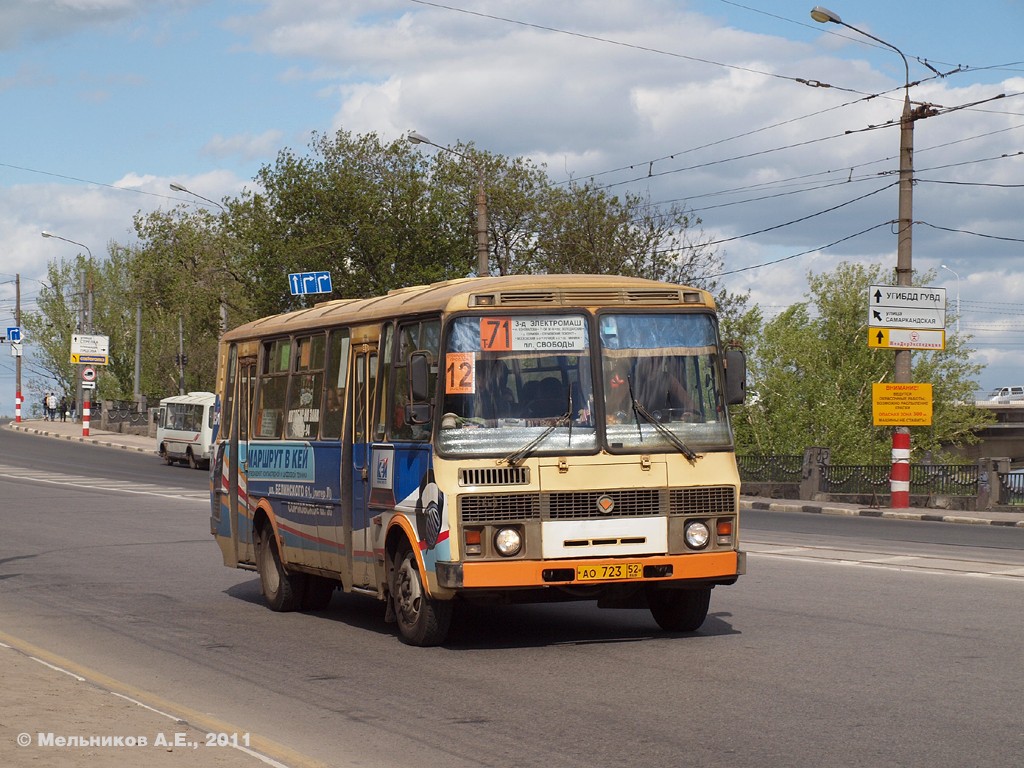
x,y
899,480
85,420
17,408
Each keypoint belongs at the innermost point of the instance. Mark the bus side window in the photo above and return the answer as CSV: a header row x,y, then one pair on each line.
x,y
419,336
273,385
334,388
305,388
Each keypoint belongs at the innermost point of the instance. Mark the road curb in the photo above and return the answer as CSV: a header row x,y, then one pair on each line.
x,y
888,514
80,439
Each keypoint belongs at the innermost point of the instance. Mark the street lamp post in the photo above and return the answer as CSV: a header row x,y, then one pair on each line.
x,y
957,276
900,483
83,404
482,251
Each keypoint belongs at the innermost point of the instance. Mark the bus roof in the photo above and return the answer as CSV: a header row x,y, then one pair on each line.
x,y
196,398
507,292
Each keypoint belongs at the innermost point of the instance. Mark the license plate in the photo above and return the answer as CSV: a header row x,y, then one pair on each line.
x,y
604,571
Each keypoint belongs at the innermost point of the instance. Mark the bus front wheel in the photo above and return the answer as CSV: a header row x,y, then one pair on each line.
x,y
282,590
422,620
679,610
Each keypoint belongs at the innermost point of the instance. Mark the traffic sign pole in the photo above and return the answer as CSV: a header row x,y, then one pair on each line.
x,y
85,416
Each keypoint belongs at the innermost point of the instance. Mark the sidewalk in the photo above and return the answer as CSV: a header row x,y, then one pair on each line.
x,y
72,430
963,517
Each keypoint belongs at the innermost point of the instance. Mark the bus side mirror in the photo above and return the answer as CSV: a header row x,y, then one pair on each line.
x,y
735,377
419,410
419,377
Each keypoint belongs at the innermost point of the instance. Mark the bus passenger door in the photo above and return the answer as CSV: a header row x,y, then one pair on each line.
x,y
363,378
241,515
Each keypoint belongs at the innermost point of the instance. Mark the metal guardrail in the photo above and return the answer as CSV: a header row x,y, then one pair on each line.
x,y
770,469
1011,488
961,480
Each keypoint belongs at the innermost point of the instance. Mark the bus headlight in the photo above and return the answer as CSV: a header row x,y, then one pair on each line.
x,y
508,542
697,535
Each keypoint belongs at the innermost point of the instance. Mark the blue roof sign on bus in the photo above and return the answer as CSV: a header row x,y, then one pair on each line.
x,y
302,283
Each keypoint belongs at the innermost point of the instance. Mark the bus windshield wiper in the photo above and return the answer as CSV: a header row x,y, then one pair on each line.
x,y
566,418
641,412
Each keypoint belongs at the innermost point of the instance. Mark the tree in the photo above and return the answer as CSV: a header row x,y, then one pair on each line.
x,y
62,307
812,372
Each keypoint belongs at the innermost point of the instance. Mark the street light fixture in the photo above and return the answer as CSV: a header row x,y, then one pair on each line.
x,y
482,251
44,233
904,246
957,276
179,188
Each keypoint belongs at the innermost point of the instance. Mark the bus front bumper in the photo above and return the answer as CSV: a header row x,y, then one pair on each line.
x,y
720,567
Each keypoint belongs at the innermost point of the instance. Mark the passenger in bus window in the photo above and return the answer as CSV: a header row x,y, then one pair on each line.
x,y
654,386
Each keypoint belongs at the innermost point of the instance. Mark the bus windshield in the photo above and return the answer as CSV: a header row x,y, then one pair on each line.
x,y
525,384
513,380
662,379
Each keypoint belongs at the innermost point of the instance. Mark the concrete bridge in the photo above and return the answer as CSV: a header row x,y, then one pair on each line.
x,y
1004,438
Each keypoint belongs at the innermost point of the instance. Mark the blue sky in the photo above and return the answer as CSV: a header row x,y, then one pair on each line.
x,y
105,102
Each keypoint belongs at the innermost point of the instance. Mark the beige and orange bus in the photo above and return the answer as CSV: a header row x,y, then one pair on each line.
x,y
518,438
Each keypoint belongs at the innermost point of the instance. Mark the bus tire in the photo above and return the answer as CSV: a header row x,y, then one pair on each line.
x,y
679,610
166,456
318,593
192,463
422,621
282,590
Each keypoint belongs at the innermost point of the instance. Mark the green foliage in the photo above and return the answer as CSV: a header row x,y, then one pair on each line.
x,y
811,373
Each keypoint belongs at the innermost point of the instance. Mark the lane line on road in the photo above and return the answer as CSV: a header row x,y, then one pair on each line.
x,y
887,561
91,483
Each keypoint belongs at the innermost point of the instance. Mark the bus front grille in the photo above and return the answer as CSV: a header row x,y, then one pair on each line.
x,y
583,505
710,500
642,502
499,507
494,476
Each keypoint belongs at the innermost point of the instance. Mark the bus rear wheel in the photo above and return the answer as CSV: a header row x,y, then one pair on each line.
x,y
192,463
679,610
282,590
422,621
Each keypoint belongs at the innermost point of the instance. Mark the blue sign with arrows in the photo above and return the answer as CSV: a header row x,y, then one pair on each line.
x,y
302,283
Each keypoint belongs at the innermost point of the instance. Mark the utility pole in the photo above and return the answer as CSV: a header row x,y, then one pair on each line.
x,y
137,394
181,358
17,358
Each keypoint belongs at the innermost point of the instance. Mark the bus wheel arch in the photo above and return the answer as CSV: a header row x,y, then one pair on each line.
x,y
422,620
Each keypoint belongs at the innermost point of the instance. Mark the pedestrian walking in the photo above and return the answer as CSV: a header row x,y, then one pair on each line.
x,y
63,407
51,406
71,407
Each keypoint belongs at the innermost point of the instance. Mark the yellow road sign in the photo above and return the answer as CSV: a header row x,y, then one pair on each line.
x,y
79,359
901,405
902,338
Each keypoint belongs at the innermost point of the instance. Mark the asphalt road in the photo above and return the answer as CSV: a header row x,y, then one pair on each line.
x,y
816,657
